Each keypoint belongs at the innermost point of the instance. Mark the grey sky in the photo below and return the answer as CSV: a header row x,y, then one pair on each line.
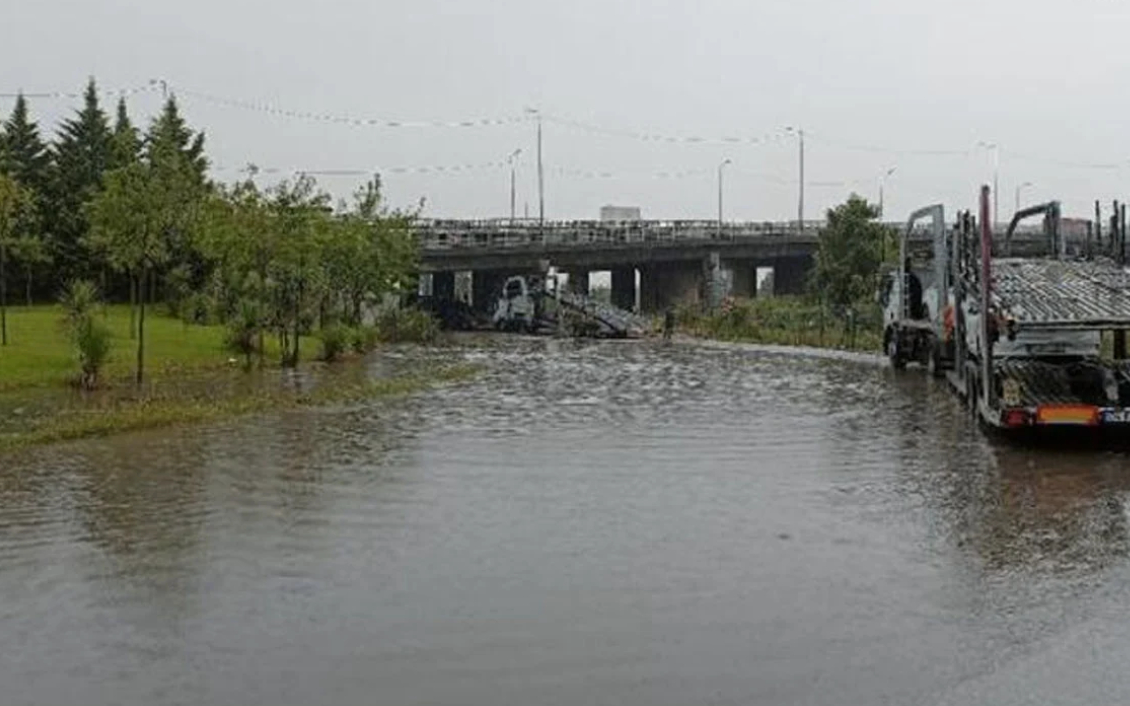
x,y
1040,78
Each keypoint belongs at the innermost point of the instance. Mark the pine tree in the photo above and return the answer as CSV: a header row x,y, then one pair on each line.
x,y
25,157
170,132
83,152
126,140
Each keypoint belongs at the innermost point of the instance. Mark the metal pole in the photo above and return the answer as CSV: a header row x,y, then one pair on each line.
x,y
512,193
996,186
541,184
800,200
720,166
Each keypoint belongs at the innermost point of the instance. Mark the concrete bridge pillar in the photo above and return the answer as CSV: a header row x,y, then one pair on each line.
x,y
578,281
668,284
790,274
742,277
485,286
443,285
624,287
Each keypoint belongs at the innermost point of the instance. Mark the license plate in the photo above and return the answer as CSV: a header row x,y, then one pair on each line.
x,y
1116,416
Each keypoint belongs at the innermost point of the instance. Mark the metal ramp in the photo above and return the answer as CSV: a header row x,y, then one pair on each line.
x,y
1062,294
618,321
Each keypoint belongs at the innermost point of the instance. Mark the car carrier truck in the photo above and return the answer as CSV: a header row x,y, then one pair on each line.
x,y
1027,327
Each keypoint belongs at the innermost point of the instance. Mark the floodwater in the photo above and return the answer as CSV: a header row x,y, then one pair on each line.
x,y
587,523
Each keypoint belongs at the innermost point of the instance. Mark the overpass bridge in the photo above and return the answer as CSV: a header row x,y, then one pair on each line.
x,y
676,261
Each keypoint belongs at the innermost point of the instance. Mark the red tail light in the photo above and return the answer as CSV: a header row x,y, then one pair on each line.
x,y
1016,418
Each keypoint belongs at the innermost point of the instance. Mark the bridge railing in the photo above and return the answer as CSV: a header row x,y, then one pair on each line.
x,y
446,234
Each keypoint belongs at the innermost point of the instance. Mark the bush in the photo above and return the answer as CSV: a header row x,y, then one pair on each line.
x,y
242,335
336,339
93,341
365,339
408,325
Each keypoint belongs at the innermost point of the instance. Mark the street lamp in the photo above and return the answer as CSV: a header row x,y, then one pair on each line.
x,y
541,187
883,242
1027,183
723,164
996,173
513,159
799,132
882,179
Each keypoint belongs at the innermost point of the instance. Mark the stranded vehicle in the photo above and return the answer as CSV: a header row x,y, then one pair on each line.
x,y
1021,336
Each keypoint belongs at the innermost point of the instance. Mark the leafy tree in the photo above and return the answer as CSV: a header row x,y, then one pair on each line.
x,y
31,252
16,206
139,212
847,256
24,156
83,151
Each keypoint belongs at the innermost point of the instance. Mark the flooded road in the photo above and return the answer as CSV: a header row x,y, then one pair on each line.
x,y
620,523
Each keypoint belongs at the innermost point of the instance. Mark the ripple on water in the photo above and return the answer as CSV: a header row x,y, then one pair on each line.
x,y
584,522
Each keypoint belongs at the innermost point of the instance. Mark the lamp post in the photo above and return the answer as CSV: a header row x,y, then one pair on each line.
x,y
1027,183
799,132
883,242
720,166
513,159
541,186
883,179
996,150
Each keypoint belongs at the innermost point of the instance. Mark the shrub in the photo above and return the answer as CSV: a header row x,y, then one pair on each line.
x,y
242,335
365,339
93,341
336,339
407,325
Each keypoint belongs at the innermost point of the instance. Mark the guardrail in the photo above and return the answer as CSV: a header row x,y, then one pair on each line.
x,y
447,234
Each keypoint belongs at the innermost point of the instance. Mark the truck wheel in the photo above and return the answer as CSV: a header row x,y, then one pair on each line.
x,y
893,353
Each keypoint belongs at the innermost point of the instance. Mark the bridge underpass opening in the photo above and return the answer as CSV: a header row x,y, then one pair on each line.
x,y
764,277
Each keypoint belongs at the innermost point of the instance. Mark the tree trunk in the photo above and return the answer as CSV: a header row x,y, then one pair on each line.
x,y
132,306
297,327
141,329
3,295
28,290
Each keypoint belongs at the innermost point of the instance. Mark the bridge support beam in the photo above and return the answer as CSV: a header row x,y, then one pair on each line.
x,y
624,287
578,281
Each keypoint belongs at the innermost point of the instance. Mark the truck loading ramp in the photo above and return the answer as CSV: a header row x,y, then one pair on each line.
x,y
1062,294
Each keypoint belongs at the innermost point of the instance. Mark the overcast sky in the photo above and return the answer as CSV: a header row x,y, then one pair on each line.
x,y
903,78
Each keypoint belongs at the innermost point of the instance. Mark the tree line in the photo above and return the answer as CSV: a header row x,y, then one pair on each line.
x,y
134,214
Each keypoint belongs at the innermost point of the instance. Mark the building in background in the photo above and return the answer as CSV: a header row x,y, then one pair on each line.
x,y
619,213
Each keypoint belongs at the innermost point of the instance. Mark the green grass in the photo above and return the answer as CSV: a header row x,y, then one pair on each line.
x,y
39,354
159,410
786,321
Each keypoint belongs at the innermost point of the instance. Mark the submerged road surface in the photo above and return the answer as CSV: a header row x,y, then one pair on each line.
x,y
600,523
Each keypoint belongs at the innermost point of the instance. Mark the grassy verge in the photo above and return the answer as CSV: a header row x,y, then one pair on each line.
x,y
168,409
38,353
786,321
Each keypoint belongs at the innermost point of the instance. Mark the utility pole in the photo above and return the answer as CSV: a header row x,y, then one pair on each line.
x,y
720,166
